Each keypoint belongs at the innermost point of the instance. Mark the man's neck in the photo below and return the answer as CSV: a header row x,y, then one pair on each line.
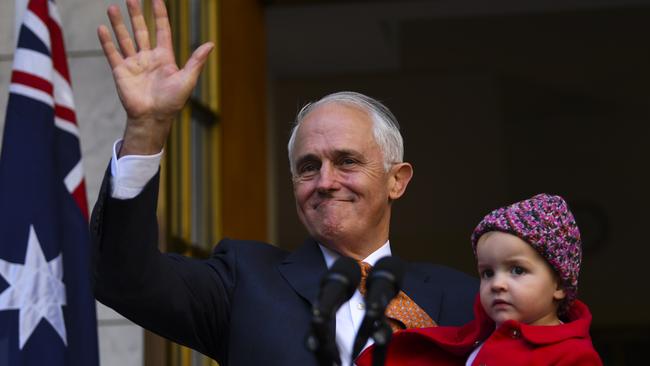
x,y
371,257
355,248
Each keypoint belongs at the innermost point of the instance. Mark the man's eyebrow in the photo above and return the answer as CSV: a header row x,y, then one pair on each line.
x,y
336,155
346,152
305,158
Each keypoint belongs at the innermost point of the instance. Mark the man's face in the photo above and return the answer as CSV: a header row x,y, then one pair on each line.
x,y
342,191
516,282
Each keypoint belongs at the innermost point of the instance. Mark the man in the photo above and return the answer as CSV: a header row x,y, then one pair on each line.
x,y
250,302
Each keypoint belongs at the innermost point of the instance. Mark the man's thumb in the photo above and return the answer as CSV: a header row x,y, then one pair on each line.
x,y
195,63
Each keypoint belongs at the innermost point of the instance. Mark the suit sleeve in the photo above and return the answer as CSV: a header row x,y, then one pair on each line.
x,y
183,299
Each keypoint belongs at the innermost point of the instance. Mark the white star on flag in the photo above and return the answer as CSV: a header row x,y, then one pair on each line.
x,y
35,289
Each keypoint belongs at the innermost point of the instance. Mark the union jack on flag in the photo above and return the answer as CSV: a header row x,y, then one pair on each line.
x,y
47,310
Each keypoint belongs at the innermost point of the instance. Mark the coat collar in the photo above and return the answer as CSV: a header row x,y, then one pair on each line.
x,y
462,339
577,325
303,270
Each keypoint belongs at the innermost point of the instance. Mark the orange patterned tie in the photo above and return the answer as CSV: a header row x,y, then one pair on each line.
x,y
402,312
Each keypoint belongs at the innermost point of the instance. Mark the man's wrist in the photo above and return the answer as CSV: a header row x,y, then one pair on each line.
x,y
144,137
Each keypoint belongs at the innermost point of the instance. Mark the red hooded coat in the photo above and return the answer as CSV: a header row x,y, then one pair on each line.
x,y
513,343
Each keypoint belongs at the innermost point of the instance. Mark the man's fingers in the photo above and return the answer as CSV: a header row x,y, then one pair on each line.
x,y
163,30
112,55
121,32
193,66
140,31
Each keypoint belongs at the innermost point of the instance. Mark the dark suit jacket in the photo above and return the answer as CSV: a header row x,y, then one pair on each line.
x,y
249,303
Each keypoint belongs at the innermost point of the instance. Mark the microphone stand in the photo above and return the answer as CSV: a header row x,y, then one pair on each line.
x,y
320,341
382,285
381,335
337,286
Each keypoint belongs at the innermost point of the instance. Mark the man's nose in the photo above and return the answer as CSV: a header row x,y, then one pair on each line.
x,y
327,178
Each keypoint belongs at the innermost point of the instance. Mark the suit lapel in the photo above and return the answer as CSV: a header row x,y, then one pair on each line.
x,y
420,287
303,270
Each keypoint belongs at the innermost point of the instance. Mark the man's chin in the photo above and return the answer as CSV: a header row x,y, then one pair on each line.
x,y
330,235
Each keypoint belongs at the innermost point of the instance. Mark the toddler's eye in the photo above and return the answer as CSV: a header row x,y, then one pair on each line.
x,y
487,273
516,270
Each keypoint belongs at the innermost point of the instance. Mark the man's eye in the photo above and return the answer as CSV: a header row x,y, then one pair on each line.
x,y
307,169
347,161
517,270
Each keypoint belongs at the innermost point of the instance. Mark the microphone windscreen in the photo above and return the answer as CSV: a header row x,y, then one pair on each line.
x,y
345,270
389,268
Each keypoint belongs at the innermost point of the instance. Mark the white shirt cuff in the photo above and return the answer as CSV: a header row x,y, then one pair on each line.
x,y
130,173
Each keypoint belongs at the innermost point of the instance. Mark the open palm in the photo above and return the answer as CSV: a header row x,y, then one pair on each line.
x,y
150,85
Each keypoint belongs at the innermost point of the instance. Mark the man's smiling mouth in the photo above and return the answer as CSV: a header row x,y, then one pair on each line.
x,y
329,201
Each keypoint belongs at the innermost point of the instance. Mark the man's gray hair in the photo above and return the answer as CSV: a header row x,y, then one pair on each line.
x,y
385,126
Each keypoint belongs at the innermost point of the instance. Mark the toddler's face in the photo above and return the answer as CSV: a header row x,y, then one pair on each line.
x,y
516,282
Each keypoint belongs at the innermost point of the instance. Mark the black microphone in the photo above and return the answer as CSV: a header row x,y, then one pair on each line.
x,y
337,286
382,285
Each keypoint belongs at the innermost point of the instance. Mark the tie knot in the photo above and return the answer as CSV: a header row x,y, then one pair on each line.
x,y
365,269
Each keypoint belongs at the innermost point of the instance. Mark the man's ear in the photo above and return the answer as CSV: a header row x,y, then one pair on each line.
x,y
401,174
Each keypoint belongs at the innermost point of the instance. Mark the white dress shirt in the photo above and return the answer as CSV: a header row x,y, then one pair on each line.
x,y
132,172
350,315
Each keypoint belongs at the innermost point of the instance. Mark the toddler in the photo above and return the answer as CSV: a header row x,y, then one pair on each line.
x,y
528,257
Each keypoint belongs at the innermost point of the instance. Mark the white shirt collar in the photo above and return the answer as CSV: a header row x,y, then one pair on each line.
x,y
331,256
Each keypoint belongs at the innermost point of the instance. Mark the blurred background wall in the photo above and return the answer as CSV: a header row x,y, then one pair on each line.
x,y
497,100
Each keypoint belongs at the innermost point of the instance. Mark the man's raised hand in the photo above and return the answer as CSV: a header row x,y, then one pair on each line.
x,y
150,85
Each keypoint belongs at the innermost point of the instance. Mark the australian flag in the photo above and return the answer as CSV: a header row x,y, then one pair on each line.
x,y
47,310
